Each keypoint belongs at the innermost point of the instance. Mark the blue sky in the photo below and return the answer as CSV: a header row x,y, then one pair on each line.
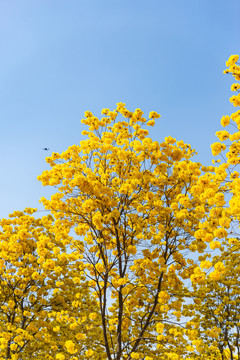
x,y
61,58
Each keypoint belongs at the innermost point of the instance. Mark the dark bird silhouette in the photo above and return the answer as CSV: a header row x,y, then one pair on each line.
x,y
46,149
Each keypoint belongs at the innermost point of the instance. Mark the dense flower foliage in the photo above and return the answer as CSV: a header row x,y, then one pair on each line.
x,y
139,258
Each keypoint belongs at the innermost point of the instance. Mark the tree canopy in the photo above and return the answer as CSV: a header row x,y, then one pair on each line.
x,y
139,255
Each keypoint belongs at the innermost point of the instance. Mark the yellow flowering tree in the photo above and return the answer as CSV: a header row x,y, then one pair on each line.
x,y
139,258
213,330
134,206
37,291
23,289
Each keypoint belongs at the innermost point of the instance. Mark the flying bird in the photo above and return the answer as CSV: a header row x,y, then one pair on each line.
x,y
46,149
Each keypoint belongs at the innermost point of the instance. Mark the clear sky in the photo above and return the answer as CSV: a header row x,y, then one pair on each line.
x,y
60,58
